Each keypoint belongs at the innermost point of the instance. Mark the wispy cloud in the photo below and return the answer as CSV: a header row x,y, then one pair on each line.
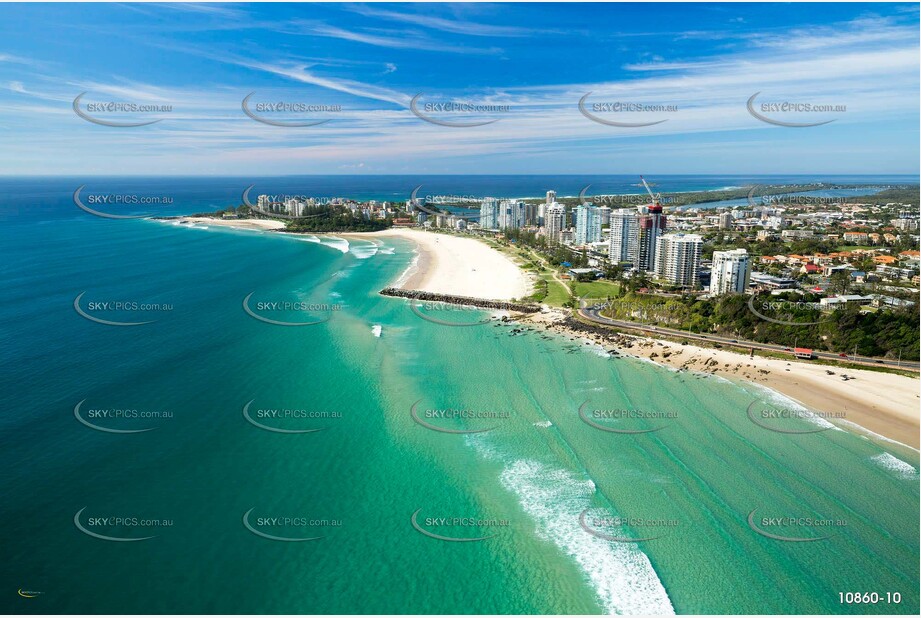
x,y
383,38
301,73
454,26
15,59
220,10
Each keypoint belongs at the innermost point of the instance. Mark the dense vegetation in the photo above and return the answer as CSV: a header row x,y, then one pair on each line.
x,y
555,253
336,219
877,333
908,194
315,219
720,241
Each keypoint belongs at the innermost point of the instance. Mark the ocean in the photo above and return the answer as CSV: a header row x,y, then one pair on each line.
x,y
211,459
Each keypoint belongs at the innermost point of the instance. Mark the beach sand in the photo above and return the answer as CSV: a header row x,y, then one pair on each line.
x,y
240,224
445,264
887,404
460,266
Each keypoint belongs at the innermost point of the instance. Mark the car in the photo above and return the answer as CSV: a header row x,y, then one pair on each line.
x,y
880,362
735,341
786,349
843,355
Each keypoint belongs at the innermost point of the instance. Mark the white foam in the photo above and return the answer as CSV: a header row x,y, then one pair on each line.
x,y
363,252
787,403
866,434
670,368
543,424
303,237
340,244
718,378
600,351
901,469
647,360
409,272
620,573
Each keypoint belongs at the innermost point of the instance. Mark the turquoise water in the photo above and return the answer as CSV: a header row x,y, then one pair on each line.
x,y
358,481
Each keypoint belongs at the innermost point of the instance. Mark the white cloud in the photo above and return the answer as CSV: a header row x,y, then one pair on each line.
x,y
875,77
453,26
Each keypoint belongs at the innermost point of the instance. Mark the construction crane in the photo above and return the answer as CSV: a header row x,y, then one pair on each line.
x,y
655,198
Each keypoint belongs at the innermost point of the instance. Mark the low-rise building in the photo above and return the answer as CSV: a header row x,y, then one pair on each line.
x,y
833,302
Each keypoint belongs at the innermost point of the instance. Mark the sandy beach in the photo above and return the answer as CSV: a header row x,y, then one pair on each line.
x,y
460,266
444,264
240,224
883,403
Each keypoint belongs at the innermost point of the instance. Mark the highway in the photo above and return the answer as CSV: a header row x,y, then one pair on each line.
x,y
593,314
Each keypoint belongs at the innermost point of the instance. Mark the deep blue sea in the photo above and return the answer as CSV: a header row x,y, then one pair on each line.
x,y
28,198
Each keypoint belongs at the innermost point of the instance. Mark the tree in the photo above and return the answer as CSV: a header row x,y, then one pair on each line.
x,y
840,282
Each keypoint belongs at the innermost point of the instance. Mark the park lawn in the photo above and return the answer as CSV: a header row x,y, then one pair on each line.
x,y
557,295
597,289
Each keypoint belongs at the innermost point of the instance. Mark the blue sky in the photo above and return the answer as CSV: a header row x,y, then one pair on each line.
x,y
701,62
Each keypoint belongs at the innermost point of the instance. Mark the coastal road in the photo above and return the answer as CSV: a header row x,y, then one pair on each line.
x,y
593,314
